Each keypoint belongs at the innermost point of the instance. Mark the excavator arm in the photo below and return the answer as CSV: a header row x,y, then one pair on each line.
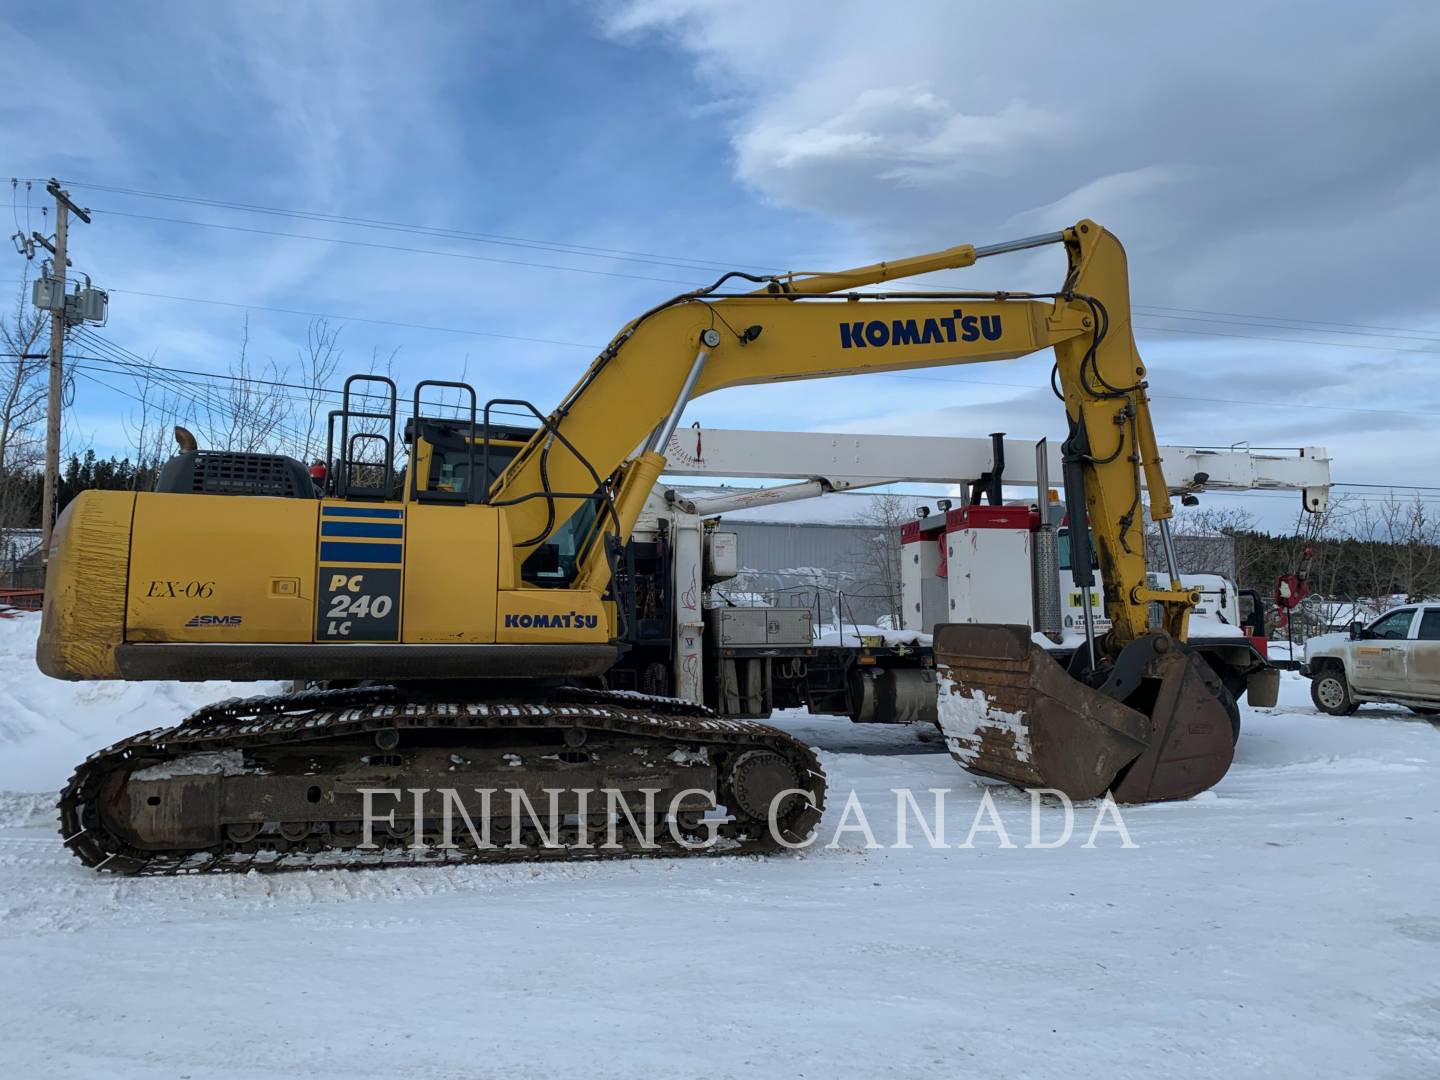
x,y
820,325
1137,713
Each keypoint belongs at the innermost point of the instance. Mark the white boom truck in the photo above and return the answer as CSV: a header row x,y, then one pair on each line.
x,y
745,661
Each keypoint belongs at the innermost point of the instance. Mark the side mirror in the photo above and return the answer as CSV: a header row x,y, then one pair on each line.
x,y
1357,630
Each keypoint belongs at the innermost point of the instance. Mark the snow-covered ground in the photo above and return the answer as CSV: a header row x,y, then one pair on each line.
x,y
1285,924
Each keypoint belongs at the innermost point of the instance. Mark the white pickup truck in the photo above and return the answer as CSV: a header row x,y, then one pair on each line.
x,y
1394,659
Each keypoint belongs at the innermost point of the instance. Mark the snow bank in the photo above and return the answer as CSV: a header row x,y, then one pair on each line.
x,y
48,726
852,635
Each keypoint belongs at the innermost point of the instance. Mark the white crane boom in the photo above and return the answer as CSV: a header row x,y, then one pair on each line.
x,y
841,461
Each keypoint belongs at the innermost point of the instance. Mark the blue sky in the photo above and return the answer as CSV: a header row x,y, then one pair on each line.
x,y
1272,172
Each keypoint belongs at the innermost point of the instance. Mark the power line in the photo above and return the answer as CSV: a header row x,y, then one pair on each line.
x,y
1426,499
689,283
293,435
1172,397
394,247
678,262
127,359
210,403
207,402
1293,340
571,344
888,375
1392,488
1402,487
891,375
1282,318
596,348
359,319
296,435
281,384
137,362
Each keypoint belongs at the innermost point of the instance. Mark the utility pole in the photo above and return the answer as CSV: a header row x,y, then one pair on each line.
x,y
58,323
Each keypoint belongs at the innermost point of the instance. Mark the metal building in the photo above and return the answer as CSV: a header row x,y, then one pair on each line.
x,y
838,555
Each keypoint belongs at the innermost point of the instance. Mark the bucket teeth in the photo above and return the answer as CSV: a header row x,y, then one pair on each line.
x,y
1010,712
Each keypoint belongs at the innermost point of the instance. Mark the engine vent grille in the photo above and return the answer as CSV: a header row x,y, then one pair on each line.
x,y
218,472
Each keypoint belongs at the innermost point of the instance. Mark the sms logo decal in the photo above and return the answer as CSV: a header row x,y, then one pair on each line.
x,y
214,620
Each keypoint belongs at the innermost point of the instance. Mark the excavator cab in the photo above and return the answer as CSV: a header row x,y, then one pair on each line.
x,y
461,459
440,454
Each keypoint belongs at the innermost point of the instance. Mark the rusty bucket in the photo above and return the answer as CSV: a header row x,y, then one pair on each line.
x,y
1009,711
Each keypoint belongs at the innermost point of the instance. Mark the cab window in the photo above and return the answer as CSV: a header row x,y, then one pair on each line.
x,y
1394,626
450,466
557,560
1430,625
1063,546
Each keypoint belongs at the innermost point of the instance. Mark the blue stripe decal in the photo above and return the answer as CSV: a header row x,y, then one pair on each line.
x,y
363,528
362,511
339,551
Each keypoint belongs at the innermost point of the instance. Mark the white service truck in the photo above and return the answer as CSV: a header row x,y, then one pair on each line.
x,y
1005,567
1393,659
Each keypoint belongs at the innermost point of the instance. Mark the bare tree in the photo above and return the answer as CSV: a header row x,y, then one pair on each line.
x,y
151,424
1397,552
319,360
1210,540
23,387
879,555
250,414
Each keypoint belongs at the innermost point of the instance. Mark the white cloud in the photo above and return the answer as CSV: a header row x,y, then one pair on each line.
x,y
1224,144
907,135
1267,159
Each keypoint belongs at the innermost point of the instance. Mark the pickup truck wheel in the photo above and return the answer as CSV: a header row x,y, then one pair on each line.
x,y
1331,693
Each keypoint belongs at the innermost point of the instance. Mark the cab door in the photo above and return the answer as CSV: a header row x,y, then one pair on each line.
x,y
1380,654
1422,658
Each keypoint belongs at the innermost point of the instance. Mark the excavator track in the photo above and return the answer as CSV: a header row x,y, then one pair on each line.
x,y
272,783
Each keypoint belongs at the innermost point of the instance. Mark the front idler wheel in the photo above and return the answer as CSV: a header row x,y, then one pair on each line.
x,y
757,778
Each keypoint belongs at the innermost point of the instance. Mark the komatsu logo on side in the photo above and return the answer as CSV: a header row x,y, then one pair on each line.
x,y
560,620
214,620
880,332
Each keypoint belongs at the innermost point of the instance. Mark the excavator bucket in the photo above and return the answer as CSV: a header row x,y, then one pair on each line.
x,y
1010,712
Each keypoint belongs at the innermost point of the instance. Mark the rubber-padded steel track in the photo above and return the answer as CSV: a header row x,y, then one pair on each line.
x,y
315,717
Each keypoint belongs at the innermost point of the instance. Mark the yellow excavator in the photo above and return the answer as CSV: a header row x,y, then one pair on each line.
x,y
462,617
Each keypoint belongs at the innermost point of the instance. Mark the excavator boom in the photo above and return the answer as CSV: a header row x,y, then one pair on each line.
x,y
800,328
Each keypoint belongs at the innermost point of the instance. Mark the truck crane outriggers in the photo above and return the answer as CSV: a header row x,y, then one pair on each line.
x,y
472,613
